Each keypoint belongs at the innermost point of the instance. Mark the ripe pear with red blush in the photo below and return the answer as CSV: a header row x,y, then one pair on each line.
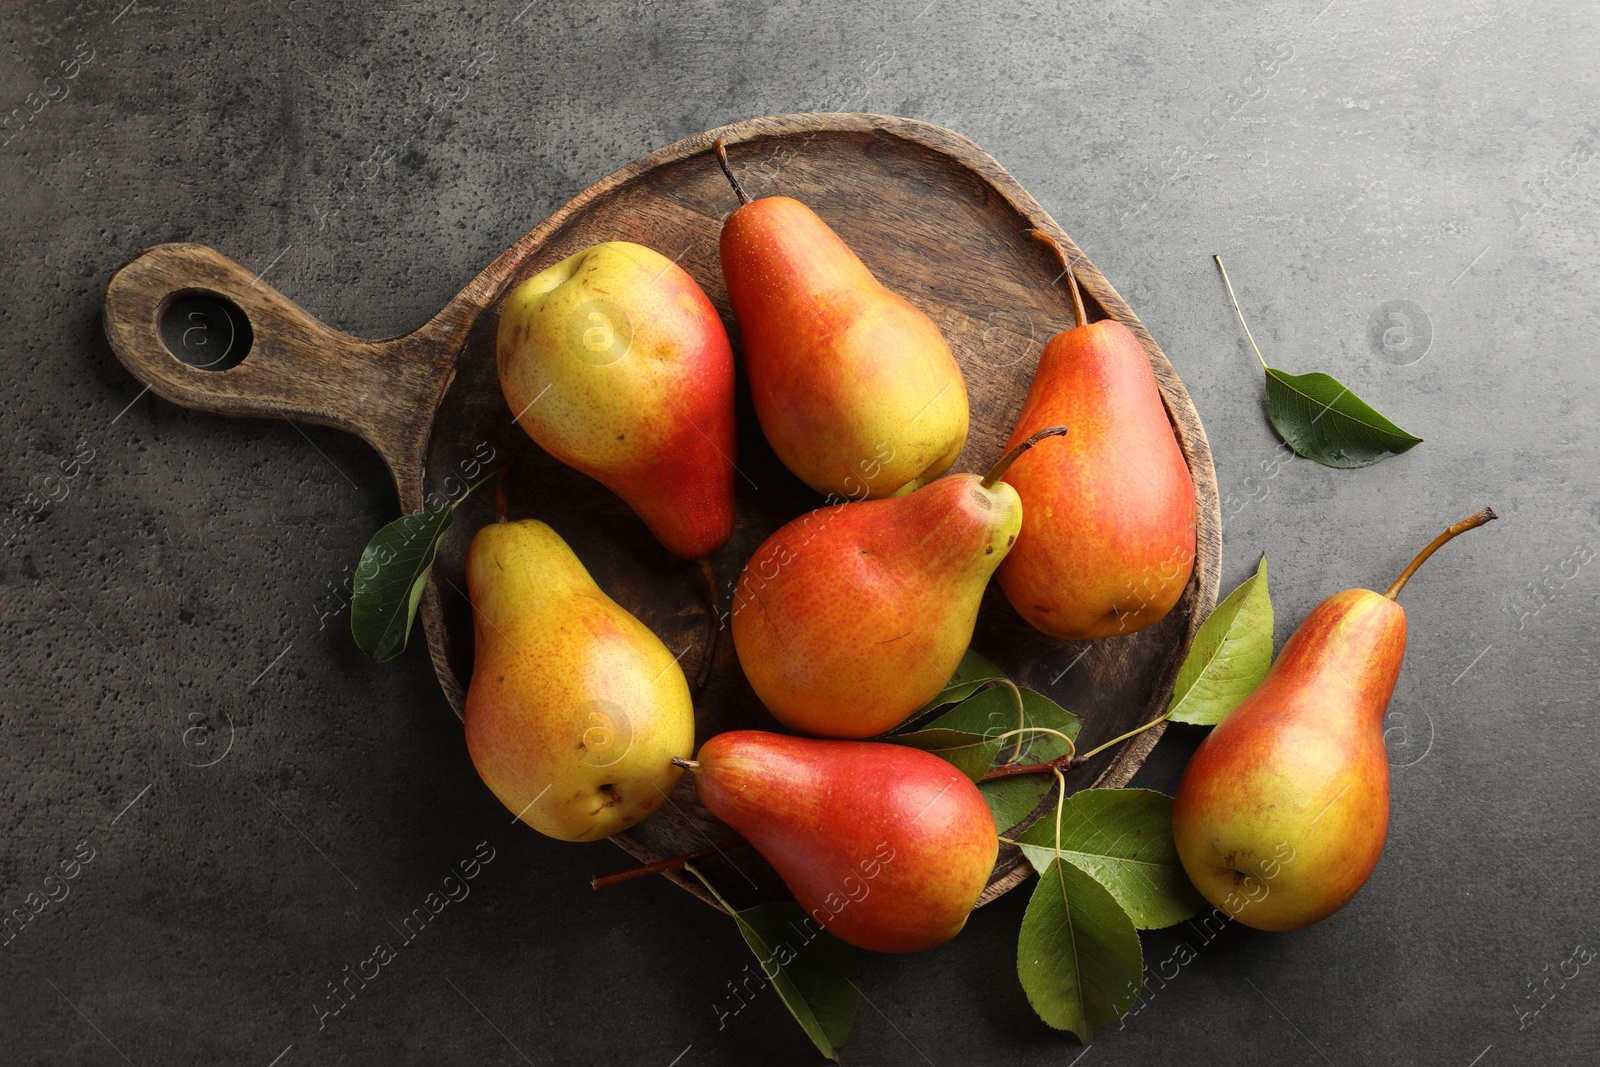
x,y
885,847
1282,811
855,388
614,361
1108,522
852,617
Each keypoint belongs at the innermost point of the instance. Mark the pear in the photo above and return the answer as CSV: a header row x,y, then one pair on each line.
x,y
885,847
852,617
1282,811
1108,527
855,388
576,709
614,361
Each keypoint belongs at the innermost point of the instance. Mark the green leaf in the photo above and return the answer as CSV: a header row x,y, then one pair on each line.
x,y
815,974
1319,418
971,735
1122,838
1013,799
1229,657
390,578
392,573
1078,954
1324,421
970,753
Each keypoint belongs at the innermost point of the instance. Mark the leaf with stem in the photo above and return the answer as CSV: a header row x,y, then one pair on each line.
x,y
1321,419
816,975
1078,954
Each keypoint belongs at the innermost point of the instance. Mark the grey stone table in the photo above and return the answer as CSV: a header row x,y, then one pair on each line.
x,y
1407,200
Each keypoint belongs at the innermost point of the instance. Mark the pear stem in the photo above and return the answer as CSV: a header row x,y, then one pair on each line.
x,y
671,863
708,657
722,157
1236,311
1069,759
686,764
1066,266
500,493
1471,522
998,471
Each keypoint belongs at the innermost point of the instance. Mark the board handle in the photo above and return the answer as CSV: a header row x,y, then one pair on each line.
x,y
204,332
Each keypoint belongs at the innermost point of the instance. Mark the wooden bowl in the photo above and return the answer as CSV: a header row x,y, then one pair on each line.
x,y
933,216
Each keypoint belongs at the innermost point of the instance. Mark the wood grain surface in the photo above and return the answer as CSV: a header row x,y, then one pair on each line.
x,y
933,216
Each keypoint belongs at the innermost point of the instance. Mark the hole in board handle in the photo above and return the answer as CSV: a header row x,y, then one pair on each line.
x,y
205,330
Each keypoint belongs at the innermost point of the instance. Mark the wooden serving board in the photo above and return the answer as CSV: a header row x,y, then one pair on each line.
x,y
935,218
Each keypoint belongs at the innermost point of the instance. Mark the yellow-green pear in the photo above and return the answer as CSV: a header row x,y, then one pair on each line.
x,y
576,709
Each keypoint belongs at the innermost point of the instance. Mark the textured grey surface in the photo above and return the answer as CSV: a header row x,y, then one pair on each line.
x,y
175,601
